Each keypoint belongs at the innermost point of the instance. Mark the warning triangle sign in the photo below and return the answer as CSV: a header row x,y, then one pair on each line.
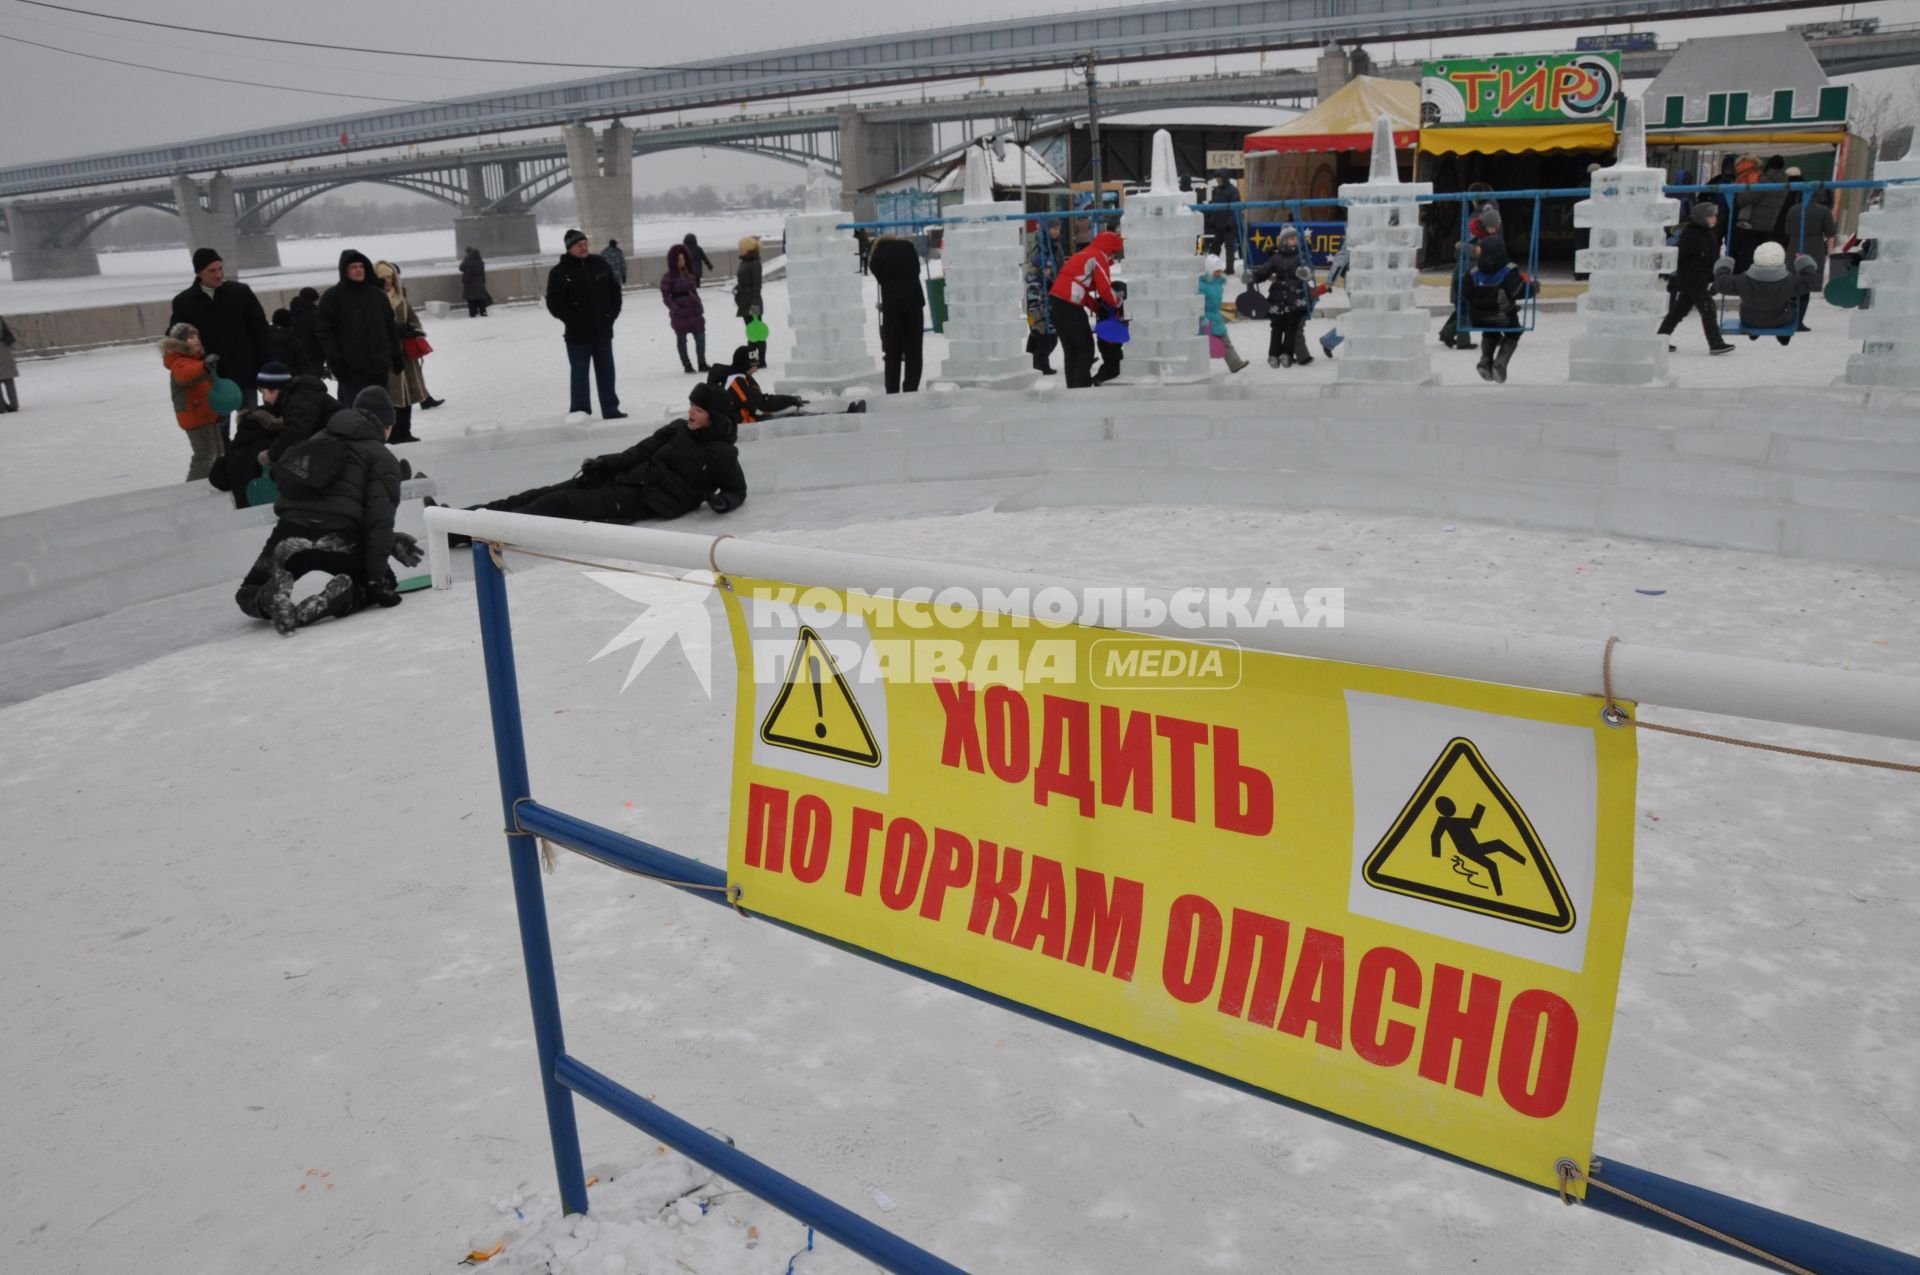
x,y
1463,841
816,712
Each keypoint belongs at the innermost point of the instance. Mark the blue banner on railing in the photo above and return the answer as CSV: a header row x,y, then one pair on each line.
x,y
1321,238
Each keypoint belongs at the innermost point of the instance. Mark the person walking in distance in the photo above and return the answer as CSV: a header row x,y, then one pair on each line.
x,y
616,260
903,310
9,395
354,325
231,325
1223,234
746,291
697,258
1084,284
583,294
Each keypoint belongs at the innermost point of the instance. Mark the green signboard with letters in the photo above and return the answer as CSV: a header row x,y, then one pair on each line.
x,y
1540,88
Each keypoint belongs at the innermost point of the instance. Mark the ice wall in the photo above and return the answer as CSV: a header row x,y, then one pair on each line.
x,y
1889,324
1626,217
1162,273
1384,331
986,290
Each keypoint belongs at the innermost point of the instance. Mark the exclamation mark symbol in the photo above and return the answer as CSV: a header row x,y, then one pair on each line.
x,y
819,704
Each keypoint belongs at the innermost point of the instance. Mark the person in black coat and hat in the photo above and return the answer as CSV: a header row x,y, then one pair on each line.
x,y
473,284
697,258
689,463
895,266
1223,234
1691,283
583,294
305,309
354,325
230,322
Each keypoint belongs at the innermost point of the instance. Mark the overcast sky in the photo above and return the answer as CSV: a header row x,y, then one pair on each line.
x,y
59,106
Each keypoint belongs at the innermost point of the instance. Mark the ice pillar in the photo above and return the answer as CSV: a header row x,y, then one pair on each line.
x,y
1163,274
1888,325
985,287
1627,217
1384,331
826,303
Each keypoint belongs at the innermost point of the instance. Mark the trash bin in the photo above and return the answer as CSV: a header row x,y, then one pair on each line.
x,y
937,302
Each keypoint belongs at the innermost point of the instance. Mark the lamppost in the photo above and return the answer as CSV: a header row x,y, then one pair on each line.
x,y
1022,134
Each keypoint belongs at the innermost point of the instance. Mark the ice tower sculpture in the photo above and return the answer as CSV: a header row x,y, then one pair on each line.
x,y
825,299
1889,323
986,287
1385,332
1626,217
1162,271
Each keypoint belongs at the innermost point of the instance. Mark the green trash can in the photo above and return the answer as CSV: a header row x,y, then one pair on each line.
x,y
937,301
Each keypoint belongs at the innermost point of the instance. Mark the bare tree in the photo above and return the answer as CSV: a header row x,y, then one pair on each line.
x,y
1878,112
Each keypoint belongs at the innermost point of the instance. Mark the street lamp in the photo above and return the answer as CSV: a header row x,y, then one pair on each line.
x,y
1022,134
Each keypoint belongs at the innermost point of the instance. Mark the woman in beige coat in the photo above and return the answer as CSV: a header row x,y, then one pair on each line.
x,y
409,385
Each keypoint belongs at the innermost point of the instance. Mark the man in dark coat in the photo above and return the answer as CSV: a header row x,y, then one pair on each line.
x,y
1692,279
305,309
355,328
895,266
616,259
292,409
583,294
1223,235
684,465
344,529
230,322
473,284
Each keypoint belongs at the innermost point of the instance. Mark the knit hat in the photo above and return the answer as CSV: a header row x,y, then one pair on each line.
x,y
573,237
1702,210
183,332
1489,217
204,257
1793,174
1213,264
702,396
374,402
742,357
1769,254
274,374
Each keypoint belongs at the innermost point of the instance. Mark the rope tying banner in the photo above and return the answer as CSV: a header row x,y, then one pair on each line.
x,y
1617,716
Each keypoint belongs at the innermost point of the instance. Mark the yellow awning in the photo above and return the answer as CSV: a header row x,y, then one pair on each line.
x,y
1748,138
1517,138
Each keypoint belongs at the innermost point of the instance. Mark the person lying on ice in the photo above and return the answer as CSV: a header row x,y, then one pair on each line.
x,y
686,464
748,401
339,490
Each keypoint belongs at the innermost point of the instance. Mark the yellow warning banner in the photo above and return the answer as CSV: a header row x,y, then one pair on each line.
x,y
1397,897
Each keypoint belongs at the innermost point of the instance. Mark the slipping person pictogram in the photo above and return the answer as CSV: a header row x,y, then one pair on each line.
x,y
1460,830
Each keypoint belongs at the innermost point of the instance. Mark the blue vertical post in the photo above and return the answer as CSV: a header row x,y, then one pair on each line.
x,y
536,947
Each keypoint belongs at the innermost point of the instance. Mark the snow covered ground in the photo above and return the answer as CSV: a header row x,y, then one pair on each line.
x,y
263,985
154,274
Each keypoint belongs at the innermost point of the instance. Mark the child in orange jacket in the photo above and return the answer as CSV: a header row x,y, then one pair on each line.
x,y
190,371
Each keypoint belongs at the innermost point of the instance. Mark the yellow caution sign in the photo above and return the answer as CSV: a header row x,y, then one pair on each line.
x,y
1464,842
816,712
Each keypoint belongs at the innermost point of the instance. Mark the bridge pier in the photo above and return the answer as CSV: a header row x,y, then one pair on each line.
x,y
872,152
210,218
602,182
498,228
41,244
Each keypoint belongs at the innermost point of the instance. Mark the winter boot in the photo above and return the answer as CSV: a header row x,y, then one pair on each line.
x,y
1502,357
428,404
702,364
1328,341
1234,362
335,599
402,427
858,405
685,366
1485,368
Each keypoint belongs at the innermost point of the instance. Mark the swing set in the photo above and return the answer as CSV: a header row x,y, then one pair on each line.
x,y
1733,326
1529,300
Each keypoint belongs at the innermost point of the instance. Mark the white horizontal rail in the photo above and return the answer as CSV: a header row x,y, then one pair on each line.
x,y
1735,686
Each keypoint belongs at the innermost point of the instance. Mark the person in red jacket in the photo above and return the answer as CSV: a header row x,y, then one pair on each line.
x,y
1084,284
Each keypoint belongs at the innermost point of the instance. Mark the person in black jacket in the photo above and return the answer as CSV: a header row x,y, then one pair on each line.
x,y
354,325
1494,289
1769,294
895,266
1223,235
1692,280
305,309
697,258
283,346
1286,266
684,465
292,408
230,322
346,529
583,294
473,284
